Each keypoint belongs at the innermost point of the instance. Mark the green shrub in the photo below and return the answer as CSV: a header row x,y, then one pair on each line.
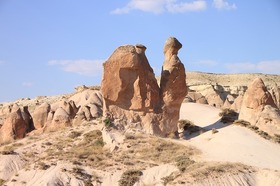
x,y
107,122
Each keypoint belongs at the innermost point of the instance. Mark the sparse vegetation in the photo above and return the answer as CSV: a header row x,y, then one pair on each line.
x,y
2,182
265,135
8,150
107,122
242,123
183,162
200,171
276,138
130,177
188,126
228,115
74,134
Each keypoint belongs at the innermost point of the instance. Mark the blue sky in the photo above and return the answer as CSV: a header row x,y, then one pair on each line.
x,y
48,47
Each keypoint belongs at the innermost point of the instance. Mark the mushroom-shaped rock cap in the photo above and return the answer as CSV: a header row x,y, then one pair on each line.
x,y
140,48
172,45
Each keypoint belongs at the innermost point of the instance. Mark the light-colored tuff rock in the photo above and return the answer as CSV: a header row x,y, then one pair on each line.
x,y
195,97
275,93
236,105
60,119
130,90
259,108
269,120
40,115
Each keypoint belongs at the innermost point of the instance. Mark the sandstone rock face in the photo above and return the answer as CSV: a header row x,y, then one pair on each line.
x,y
128,80
173,86
14,127
130,90
258,106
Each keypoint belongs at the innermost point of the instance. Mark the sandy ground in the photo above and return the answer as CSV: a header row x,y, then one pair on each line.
x,y
232,143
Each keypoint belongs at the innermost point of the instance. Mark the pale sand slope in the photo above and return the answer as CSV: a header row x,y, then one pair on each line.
x,y
232,143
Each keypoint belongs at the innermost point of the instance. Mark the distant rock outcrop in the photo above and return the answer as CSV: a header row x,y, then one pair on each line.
x,y
259,108
131,92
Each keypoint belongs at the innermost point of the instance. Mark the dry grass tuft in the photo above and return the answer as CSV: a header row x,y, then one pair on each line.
x,y
188,126
228,115
130,177
200,171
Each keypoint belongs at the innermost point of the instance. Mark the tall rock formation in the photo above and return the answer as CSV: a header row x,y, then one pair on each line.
x,y
131,93
259,108
173,88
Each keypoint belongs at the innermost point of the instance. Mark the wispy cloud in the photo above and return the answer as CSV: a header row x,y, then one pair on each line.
x,y
82,66
27,84
223,5
160,6
267,67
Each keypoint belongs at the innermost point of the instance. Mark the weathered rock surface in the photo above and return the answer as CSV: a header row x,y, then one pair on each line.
x,y
173,87
129,82
14,127
40,115
195,97
131,92
259,108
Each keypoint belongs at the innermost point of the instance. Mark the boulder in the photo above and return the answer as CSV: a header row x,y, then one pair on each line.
x,y
40,115
60,119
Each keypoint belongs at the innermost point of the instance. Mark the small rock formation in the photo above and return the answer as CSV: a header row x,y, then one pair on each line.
x,y
259,108
40,115
236,105
275,93
196,97
130,90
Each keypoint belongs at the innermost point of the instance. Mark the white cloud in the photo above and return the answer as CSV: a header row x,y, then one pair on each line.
x,y
27,84
223,5
160,6
82,66
266,67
